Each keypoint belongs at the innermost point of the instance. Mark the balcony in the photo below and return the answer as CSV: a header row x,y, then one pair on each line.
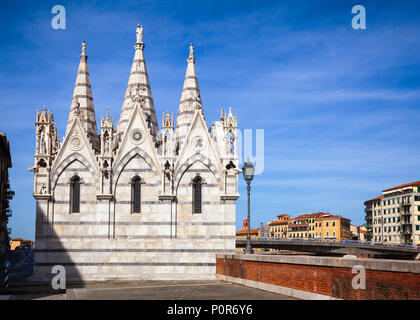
x,y
298,227
368,209
9,194
405,213
8,213
295,225
407,231
5,204
405,221
405,204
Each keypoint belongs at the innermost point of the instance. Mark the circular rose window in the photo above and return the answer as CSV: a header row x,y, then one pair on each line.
x,y
198,143
76,143
137,136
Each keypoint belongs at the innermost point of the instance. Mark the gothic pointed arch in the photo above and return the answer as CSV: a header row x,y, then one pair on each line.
x,y
182,169
76,156
136,151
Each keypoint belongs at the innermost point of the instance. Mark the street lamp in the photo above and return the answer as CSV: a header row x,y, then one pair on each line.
x,y
248,172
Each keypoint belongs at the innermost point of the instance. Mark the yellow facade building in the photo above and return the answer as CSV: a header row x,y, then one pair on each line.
x,y
318,225
332,227
17,242
279,227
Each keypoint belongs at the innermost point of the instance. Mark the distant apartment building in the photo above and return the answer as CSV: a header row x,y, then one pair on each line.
x,y
314,223
332,227
371,206
264,231
362,233
279,227
318,225
354,232
19,242
299,227
357,232
5,195
394,217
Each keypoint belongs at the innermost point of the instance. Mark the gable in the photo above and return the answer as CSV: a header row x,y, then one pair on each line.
x,y
137,136
75,142
198,143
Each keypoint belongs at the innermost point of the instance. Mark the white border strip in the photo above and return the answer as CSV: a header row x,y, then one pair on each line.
x,y
295,293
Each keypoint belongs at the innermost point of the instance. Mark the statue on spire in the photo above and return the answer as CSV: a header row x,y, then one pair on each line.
x,y
191,51
83,48
77,108
139,33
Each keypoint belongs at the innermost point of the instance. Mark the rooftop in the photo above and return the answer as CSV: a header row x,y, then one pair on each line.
x,y
374,199
245,231
416,183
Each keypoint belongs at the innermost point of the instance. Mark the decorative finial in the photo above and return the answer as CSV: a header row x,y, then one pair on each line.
x,y
83,48
107,113
139,33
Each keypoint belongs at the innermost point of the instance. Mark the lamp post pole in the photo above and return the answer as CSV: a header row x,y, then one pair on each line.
x,y
248,248
248,172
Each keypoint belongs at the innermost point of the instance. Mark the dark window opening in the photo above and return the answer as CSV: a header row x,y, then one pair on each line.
x,y
136,195
75,195
197,183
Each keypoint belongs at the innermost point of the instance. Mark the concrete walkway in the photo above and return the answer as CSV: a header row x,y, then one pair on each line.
x,y
159,290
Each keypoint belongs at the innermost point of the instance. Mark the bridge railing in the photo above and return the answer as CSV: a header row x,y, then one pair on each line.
x,y
394,245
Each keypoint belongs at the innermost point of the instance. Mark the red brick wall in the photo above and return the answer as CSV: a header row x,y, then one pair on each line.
x,y
330,281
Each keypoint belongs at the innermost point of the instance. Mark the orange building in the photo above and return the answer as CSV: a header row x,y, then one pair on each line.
x,y
243,233
17,242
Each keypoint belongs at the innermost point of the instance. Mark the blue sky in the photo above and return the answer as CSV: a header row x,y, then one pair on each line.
x,y
339,107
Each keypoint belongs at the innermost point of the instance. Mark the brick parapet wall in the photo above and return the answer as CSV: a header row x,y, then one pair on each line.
x,y
323,277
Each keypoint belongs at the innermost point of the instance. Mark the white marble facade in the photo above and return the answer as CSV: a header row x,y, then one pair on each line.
x,y
103,237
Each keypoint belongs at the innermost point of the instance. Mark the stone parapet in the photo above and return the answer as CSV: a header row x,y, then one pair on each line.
x,y
311,277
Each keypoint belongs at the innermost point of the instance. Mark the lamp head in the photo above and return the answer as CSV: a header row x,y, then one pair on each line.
x,y
248,171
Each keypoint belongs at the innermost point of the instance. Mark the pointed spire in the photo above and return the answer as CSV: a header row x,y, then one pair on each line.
x,y
190,98
230,120
138,89
108,122
82,102
167,120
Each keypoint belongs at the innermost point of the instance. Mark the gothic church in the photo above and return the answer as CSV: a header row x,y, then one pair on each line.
x,y
135,201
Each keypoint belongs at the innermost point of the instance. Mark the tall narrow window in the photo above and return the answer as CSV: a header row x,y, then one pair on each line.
x,y
75,195
136,194
197,183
